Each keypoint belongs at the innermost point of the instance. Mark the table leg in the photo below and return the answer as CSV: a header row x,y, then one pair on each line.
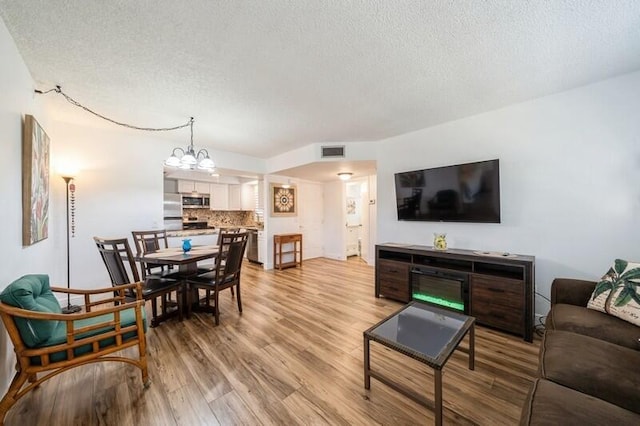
x,y
472,346
367,377
437,408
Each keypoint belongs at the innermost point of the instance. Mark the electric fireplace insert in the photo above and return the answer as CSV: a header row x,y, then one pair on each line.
x,y
446,289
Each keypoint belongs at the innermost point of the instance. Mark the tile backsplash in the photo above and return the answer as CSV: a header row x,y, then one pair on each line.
x,y
219,218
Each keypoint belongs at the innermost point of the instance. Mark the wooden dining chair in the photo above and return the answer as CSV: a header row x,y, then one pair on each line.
x,y
147,241
225,275
122,269
202,269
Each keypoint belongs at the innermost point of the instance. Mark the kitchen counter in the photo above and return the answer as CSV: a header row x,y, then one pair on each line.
x,y
192,232
208,231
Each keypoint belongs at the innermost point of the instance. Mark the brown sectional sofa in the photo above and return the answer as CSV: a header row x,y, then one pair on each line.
x,y
589,364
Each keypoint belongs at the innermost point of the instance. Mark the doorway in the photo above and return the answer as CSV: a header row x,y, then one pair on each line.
x,y
358,217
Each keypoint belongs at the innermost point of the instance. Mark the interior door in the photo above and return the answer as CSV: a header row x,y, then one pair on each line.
x,y
310,218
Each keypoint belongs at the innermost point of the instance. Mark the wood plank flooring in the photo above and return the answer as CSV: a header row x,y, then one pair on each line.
x,y
293,357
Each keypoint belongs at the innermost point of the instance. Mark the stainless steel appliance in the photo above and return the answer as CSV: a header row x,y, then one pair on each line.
x,y
252,246
194,223
195,202
172,212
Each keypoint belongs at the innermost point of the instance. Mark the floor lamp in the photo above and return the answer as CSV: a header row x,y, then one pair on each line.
x,y
70,309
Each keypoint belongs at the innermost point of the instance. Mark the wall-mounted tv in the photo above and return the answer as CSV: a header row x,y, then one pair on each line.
x,y
461,193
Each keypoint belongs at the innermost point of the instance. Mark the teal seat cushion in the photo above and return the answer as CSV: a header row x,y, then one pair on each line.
x,y
33,293
59,335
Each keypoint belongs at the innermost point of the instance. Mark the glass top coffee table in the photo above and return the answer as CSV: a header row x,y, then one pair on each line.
x,y
424,333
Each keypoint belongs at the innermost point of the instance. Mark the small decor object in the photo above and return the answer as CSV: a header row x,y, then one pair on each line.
x,y
283,200
186,245
618,292
439,241
35,182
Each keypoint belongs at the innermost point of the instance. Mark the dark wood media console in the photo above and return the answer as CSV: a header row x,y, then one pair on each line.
x,y
500,289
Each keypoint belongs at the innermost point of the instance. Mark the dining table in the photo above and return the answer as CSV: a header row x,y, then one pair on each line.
x,y
187,262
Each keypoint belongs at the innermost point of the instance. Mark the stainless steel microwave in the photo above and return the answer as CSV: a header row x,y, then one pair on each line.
x,y
190,202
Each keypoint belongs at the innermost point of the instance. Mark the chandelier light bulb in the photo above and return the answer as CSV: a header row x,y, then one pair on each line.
x,y
206,163
172,161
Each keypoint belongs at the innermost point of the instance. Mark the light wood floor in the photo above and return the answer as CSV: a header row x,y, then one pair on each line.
x,y
293,357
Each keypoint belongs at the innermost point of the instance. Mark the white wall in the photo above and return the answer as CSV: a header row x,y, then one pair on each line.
x,y
17,99
569,172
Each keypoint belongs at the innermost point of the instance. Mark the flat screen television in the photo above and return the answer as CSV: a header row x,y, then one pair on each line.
x,y
461,193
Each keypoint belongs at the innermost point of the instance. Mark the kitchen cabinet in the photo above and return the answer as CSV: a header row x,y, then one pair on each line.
x,y
202,187
185,186
219,196
260,189
248,196
190,186
235,197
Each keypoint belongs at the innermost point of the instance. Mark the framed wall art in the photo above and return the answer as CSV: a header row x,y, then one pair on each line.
x,y
283,200
35,182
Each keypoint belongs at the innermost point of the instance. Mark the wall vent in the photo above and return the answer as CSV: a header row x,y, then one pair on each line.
x,y
332,151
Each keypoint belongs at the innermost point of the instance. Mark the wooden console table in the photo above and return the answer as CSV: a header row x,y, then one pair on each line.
x,y
281,239
499,290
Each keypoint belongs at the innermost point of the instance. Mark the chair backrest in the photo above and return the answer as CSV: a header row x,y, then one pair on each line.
x,y
231,252
116,254
226,231
146,241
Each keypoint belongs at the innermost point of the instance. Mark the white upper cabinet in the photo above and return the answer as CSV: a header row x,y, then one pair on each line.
x,y
260,194
219,196
202,187
185,186
235,197
248,197
189,186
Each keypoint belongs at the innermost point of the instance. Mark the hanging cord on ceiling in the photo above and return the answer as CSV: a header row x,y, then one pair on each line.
x,y
72,101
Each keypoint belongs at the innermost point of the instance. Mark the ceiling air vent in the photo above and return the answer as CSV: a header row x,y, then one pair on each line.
x,y
332,151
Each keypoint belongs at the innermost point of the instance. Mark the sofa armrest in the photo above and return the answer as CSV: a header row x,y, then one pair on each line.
x,y
571,291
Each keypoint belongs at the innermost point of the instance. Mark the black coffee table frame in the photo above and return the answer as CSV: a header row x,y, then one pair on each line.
x,y
437,363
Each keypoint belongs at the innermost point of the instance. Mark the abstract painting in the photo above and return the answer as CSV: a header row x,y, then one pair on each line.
x,y
35,182
283,200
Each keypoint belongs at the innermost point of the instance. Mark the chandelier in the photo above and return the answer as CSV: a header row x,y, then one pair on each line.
x,y
189,159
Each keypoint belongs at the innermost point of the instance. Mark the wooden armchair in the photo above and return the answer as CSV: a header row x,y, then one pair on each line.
x,y
47,342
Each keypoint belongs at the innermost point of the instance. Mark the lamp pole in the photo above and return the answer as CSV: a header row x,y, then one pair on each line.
x,y
70,309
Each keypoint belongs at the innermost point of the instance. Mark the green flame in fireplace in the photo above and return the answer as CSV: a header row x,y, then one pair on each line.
x,y
439,301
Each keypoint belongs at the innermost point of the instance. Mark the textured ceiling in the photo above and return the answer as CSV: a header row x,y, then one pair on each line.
x,y
265,76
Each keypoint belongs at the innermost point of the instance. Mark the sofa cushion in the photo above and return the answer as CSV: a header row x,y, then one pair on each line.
x,y
33,293
592,366
588,322
618,292
551,404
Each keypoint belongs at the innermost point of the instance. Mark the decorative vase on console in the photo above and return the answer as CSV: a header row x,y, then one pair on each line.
x,y
186,245
439,241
